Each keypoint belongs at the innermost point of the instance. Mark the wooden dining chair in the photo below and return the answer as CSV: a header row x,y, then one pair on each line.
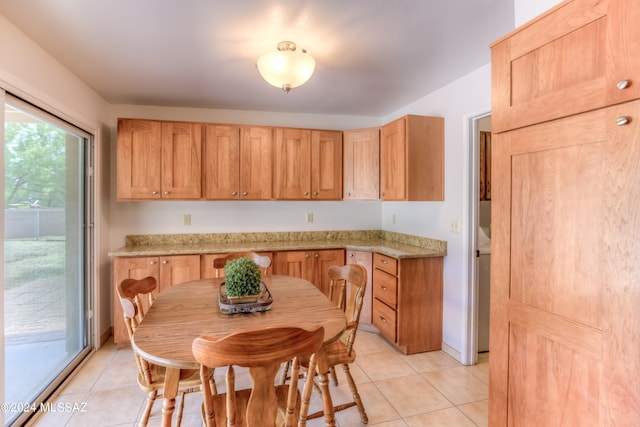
x,y
262,351
263,261
136,296
350,283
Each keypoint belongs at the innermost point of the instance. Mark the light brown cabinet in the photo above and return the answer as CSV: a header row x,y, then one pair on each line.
x,y
167,270
582,47
364,259
412,159
565,325
158,160
407,301
238,162
361,166
310,265
307,164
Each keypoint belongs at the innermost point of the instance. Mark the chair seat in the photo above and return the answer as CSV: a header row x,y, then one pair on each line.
x,y
338,354
242,398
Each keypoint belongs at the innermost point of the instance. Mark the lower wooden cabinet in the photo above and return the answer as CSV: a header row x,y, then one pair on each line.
x,y
407,301
311,265
168,270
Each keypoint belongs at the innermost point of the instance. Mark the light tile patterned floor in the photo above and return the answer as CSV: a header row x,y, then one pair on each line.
x,y
427,389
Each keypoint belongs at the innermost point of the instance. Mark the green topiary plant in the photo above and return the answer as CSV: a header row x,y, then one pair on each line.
x,y
242,277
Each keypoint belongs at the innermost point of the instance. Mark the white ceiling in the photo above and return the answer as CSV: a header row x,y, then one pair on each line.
x,y
372,56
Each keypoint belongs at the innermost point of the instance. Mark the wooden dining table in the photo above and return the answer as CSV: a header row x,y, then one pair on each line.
x,y
188,310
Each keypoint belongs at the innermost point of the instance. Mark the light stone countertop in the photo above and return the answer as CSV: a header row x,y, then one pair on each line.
x,y
388,243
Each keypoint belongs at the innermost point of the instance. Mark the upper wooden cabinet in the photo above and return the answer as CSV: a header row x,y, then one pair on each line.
x,y
361,168
238,162
600,64
307,164
158,160
412,159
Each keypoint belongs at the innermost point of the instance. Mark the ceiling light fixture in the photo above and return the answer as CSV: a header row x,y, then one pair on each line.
x,y
287,67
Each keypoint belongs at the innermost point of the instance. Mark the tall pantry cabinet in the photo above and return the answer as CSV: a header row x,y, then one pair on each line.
x,y
565,285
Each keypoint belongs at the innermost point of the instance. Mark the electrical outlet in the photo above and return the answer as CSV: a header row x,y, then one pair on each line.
x,y
393,218
309,217
455,226
187,219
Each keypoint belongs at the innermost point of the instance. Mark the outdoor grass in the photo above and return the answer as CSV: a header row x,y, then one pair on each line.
x,y
27,260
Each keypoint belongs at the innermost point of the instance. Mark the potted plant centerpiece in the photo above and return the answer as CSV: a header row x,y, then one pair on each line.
x,y
242,280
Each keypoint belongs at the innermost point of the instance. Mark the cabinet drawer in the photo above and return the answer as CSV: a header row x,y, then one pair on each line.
x,y
385,287
384,318
385,263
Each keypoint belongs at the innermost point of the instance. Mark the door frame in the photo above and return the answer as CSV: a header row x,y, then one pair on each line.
x,y
469,355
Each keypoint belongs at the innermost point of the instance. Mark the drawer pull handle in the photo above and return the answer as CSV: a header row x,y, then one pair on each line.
x,y
383,319
623,121
623,84
384,261
384,288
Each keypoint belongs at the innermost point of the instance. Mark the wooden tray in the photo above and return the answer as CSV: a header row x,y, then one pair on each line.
x,y
263,303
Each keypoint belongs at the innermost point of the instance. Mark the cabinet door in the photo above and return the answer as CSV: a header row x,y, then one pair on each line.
x,y
294,263
322,260
361,165
567,62
221,169
364,259
256,163
564,271
138,155
177,269
181,160
292,164
393,162
129,268
326,165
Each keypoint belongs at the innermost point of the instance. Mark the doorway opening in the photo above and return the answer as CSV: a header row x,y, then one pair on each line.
x,y
479,242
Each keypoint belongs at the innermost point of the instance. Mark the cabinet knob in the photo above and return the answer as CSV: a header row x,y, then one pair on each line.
x,y
166,193
383,319
623,84
234,193
306,255
316,256
306,193
315,193
384,288
349,194
165,261
154,193
351,255
152,263
384,261
245,194
623,121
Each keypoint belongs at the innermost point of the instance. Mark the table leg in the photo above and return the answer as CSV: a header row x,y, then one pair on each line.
x,y
171,379
322,368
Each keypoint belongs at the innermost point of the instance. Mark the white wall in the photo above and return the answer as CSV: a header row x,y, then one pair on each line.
x,y
525,10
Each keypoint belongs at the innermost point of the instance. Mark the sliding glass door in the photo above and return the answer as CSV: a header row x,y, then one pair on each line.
x,y
46,251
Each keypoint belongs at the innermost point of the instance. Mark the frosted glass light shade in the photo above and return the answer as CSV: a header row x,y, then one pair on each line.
x,y
286,68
